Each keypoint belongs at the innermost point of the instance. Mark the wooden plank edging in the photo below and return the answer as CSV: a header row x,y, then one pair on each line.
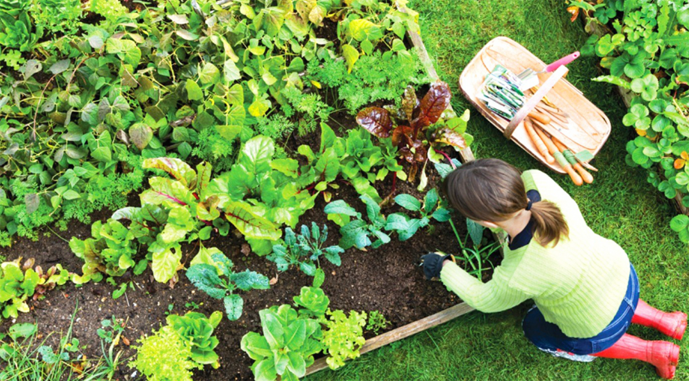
x,y
402,332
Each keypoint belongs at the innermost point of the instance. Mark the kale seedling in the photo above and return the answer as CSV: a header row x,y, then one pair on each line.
x,y
304,249
405,226
357,232
211,272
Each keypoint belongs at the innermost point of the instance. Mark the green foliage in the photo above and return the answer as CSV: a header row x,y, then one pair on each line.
x,y
56,16
310,106
313,302
276,126
211,272
112,249
286,347
648,55
376,322
423,125
197,329
432,208
165,356
374,77
305,249
358,232
343,337
19,282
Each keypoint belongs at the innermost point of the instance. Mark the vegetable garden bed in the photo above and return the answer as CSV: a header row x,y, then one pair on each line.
x,y
385,279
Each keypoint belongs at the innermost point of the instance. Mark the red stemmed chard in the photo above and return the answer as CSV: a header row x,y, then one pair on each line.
x,y
414,135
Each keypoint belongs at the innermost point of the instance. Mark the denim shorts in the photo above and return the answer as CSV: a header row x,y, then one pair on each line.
x,y
548,336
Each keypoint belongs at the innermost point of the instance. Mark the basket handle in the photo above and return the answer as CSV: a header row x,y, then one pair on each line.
x,y
533,101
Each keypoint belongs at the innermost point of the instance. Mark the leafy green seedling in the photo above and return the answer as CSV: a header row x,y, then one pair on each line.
x,y
358,232
287,345
305,249
343,337
376,322
196,328
211,272
405,226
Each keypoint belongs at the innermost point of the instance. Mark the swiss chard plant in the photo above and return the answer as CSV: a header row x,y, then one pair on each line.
x,y
286,347
405,226
421,129
197,329
304,250
212,272
357,232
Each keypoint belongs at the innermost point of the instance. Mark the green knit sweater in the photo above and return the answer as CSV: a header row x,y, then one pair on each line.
x,y
577,285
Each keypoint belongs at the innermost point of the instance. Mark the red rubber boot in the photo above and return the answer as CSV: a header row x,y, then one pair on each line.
x,y
672,324
664,355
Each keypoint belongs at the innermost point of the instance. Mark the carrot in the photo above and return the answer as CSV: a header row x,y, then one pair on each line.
x,y
570,157
543,118
576,179
540,146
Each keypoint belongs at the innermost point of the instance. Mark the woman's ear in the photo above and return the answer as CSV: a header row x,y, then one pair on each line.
x,y
488,224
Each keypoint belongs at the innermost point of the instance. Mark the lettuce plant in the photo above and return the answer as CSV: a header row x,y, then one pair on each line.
x,y
343,336
305,249
18,283
405,226
420,129
211,272
313,302
197,329
286,347
165,356
358,232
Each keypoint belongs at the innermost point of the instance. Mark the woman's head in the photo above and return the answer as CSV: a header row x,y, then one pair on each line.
x,y
490,191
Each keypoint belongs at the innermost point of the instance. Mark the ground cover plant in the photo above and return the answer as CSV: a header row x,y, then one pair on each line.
x,y
644,47
162,149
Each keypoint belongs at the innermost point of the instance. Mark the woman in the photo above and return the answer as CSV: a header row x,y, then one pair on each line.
x,y
586,291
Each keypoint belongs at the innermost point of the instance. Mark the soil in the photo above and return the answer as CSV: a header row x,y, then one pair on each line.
x,y
388,280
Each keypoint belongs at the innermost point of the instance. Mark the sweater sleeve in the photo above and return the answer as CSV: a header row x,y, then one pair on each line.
x,y
493,296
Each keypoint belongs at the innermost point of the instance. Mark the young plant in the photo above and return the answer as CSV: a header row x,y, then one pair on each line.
x,y
343,336
406,227
312,300
165,356
376,322
286,347
358,232
414,138
18,283
197,329
211,272
305,249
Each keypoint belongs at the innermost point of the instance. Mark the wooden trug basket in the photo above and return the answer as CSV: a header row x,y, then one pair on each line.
x,y
588,127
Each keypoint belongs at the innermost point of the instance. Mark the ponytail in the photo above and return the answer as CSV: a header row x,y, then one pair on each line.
x,y
492,190
550,225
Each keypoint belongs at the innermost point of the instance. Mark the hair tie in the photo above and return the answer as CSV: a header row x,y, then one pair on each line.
x,y
529,204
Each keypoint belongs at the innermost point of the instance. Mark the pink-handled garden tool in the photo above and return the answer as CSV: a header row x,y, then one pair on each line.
x,y
529,77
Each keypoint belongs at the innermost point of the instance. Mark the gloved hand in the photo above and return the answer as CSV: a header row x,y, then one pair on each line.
x,y
433,263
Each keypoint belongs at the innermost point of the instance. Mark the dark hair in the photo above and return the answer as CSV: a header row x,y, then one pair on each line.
x,y
492,190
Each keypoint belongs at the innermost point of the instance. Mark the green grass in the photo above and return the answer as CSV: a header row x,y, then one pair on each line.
x,y
619,205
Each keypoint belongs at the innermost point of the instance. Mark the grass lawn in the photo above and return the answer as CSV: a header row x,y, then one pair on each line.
x,y
620,205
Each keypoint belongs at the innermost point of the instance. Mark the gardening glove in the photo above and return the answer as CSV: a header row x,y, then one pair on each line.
x,y
432,264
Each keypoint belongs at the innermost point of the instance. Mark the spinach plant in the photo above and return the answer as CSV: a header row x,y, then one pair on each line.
x,y
211,272
305,249
358,232
406,227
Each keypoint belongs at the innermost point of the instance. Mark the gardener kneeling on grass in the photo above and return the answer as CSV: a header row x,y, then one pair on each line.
x,y
586,291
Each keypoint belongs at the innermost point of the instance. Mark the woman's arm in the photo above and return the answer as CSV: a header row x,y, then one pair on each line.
x,y
493,296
